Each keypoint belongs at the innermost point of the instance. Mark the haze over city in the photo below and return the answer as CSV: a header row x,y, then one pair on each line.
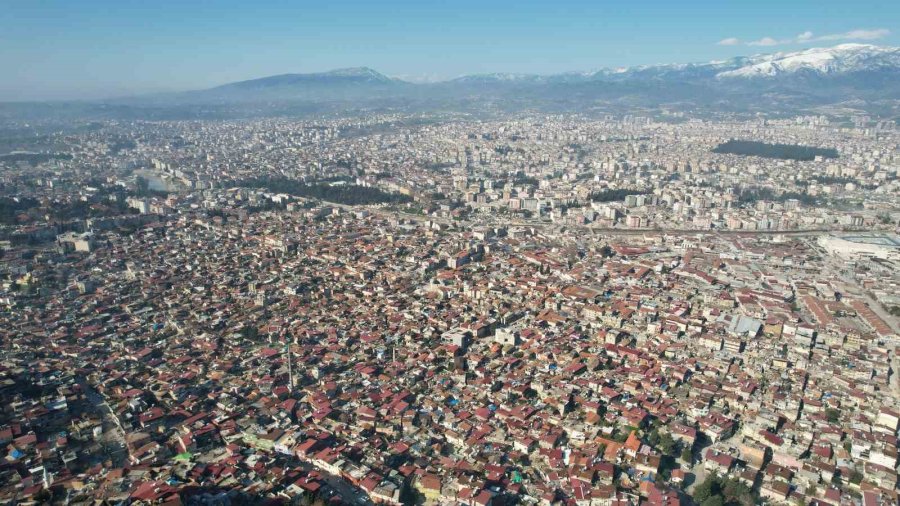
x,y
449,253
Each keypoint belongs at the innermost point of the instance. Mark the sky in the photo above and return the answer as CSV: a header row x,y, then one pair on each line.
x,y
88,49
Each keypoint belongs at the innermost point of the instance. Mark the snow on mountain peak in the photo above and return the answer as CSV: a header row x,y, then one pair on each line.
x,y
829,60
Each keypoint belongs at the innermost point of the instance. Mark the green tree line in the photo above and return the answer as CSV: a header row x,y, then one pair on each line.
x,y
780,151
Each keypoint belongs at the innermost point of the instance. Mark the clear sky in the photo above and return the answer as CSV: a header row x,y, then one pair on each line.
x,y
102,48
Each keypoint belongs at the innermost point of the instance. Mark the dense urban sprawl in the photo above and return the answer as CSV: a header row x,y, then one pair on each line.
x,y
407,310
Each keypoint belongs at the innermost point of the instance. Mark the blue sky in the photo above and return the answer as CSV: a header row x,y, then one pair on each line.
x,y
102,48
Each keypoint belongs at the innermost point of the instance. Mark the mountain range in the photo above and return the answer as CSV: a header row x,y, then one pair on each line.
x,y
844,79
855,77
841,59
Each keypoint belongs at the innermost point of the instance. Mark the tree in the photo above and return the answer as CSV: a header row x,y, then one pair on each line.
x,y
667,444
304,499
349,194
721,491
601,450
781,151
141,185
737,491
687,455
707,489
653,437
250,332
615,195
409,495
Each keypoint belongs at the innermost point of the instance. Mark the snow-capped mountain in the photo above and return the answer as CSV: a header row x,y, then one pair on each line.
x,y
842,59
845,58
848,76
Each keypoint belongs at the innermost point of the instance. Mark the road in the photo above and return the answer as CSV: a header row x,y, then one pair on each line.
x,y
113,437
349,493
